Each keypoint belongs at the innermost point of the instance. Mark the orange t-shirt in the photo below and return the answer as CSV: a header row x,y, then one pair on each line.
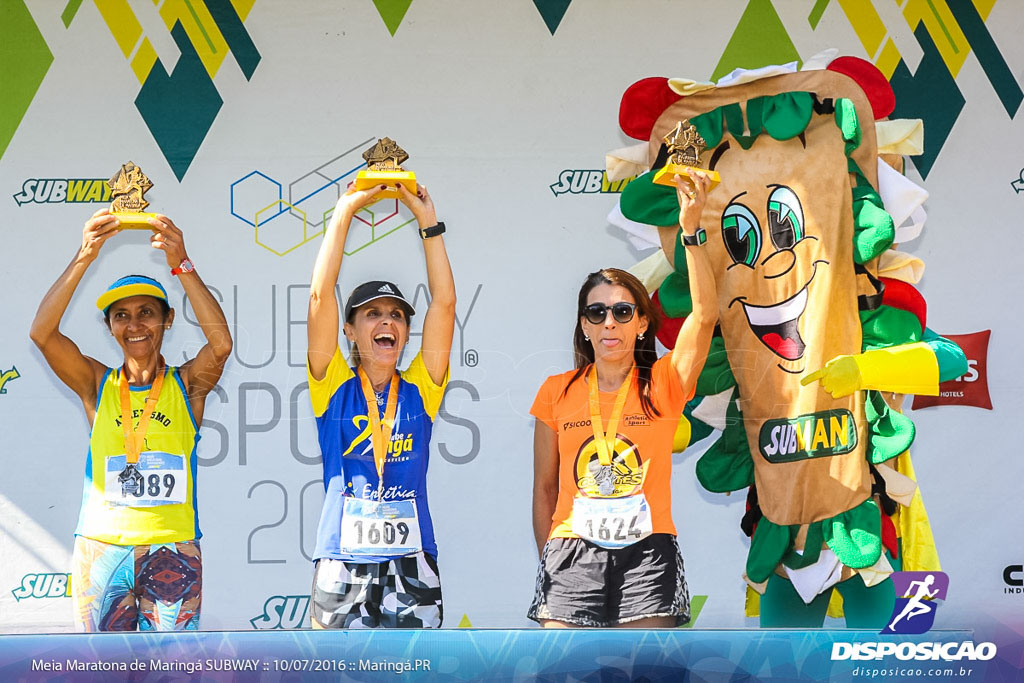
x,y
639,439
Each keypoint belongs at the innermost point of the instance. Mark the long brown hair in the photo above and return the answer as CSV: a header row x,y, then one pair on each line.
x,y
644,352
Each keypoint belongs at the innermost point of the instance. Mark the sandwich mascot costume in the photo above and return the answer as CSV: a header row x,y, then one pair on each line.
x,y
821,330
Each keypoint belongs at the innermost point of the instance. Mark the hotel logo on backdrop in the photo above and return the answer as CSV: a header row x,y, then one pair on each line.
x,y
178,107
971,388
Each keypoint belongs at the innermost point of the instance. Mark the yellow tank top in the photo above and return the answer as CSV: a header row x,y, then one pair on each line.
x,y
155,500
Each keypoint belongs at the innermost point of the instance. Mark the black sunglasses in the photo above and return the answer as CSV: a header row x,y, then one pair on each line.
x,y
597,313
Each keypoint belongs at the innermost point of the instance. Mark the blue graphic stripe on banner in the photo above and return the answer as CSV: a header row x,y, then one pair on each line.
x,y
468,654
237,37
985,50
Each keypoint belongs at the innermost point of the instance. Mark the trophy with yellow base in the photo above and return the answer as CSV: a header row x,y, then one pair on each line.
x,y
685,145
127,188
384,167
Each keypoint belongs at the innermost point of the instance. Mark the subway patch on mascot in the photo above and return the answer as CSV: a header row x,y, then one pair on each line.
x,y
818,435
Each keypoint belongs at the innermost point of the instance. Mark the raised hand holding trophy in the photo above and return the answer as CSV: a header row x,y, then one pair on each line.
x,y
685,145
128,186
384,167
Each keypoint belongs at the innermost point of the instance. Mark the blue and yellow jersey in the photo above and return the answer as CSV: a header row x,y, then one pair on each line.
x,y
157,503
343,426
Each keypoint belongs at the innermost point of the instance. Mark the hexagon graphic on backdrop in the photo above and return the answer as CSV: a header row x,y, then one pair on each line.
x,y
283,236
251,193
281,226
376,226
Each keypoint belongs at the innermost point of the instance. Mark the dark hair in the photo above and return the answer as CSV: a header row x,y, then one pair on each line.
x,y
164,306
644,353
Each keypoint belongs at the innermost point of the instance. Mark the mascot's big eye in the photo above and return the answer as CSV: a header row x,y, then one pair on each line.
x,y
785,218
742,234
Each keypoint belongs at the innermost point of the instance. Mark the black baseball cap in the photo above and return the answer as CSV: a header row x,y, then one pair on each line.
x,y
375,289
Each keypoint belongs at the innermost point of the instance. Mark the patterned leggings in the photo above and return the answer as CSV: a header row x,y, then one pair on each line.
x,y
146,587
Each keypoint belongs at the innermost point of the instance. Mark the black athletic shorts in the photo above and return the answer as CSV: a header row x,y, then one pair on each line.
x,y
584,584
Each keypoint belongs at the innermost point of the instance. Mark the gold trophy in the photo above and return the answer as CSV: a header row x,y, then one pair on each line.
x,y
128,187
384,167
685,145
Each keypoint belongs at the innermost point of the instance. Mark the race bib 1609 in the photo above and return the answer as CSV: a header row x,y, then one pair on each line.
x,y
390,528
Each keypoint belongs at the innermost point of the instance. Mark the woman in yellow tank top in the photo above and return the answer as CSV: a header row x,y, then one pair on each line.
x,y
137,561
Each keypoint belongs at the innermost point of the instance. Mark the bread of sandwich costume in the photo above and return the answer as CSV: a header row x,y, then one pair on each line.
x,y
819,323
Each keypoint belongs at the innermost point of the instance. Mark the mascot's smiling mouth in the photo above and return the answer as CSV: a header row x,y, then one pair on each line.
x,y
776,326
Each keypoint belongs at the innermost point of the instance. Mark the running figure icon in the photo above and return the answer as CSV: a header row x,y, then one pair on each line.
x,y
917,594
916,605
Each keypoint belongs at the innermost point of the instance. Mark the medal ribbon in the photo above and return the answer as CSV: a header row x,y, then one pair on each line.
x,y
380,432
134,438
606,438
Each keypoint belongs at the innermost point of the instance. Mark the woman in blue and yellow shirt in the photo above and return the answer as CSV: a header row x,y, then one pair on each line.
x,y
376,559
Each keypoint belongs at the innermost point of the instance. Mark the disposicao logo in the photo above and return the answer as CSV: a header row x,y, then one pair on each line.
x,y
947,652
586,181
63,191
914,613
43,586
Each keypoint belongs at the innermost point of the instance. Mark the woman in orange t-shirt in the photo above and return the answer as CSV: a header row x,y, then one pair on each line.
x,y
602,510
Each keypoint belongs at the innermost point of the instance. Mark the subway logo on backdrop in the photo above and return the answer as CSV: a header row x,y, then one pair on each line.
x,y
587,181
63,191
47,585
817,435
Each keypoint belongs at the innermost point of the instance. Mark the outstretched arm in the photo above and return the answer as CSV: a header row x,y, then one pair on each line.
x,y
322,319
201,373
80,373
912,368
694,339
439,323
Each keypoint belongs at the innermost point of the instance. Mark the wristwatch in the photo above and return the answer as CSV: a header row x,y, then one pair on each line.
x,y
432,231
696,239
186,266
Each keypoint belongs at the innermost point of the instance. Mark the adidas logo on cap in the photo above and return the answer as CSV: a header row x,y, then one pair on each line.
x,y
386,288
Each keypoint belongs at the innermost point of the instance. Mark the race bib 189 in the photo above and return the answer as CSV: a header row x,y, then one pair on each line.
x,y
156,479
612,522
370,528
